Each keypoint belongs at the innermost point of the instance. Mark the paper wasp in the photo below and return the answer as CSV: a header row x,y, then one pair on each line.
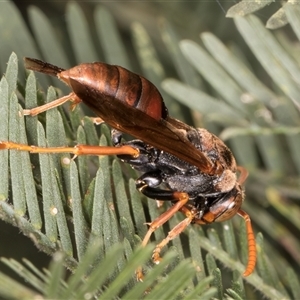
x,y
195,168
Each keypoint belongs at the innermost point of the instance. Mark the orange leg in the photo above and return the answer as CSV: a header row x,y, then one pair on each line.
x,y
251,244
171,235
77,150
55,103
183,198
250,235
39,109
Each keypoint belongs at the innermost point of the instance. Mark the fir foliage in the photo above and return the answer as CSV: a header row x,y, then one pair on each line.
x,y
86,213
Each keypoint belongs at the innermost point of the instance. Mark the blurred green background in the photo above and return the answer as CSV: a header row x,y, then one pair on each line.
x,y
253,105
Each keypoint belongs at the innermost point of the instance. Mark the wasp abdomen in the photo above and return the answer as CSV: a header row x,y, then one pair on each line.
x,y
118,84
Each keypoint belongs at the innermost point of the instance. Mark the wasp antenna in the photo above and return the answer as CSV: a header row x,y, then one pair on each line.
x,y
251,244
42,67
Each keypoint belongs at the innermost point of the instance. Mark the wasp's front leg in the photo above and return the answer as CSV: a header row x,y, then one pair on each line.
x,y
145,185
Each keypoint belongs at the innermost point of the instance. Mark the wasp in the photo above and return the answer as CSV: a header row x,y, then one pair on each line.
x,y
189,167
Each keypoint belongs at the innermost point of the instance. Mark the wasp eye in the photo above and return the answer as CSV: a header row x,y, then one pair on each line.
x,y
226,207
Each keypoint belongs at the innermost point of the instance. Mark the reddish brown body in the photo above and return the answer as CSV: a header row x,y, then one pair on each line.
x,y
165,133
114,83
196,166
